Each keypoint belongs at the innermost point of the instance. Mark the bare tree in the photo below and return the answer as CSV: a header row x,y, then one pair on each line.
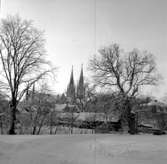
x,y
22,55
39,105
124,73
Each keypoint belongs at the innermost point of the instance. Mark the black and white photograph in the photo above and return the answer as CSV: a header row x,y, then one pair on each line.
x,y
83,81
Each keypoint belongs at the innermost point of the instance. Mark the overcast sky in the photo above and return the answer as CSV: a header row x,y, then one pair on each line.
x,y
75,29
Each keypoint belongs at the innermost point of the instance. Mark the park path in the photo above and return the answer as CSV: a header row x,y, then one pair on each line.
x,y
63,149
83,149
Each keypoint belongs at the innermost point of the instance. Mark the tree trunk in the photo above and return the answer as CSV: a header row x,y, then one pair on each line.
x,y
13,107
35,124
1,125
132,124
34,130
51,123
130,117
56,129
41,124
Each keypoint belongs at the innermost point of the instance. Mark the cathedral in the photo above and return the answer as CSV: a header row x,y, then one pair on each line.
x,y
76,92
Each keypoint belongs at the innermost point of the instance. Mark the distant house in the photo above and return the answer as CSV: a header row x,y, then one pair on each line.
x,y
153,114
64,111
60,107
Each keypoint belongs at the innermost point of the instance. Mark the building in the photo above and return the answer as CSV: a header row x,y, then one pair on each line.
x,y
76,91
153,114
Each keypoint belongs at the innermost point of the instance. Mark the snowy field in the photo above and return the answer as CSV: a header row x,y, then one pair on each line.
x,y
83,149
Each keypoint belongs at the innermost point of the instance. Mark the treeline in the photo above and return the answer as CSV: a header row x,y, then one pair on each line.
x,y
37,111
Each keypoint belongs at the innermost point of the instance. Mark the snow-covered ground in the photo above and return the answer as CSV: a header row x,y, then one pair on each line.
x,y
83,149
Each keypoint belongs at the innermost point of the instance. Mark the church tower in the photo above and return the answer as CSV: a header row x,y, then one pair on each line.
x,y
71,89
81,86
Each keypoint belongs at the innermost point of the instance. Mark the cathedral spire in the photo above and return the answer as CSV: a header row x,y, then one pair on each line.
x,y
81,79
81,87
72,77
71,88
